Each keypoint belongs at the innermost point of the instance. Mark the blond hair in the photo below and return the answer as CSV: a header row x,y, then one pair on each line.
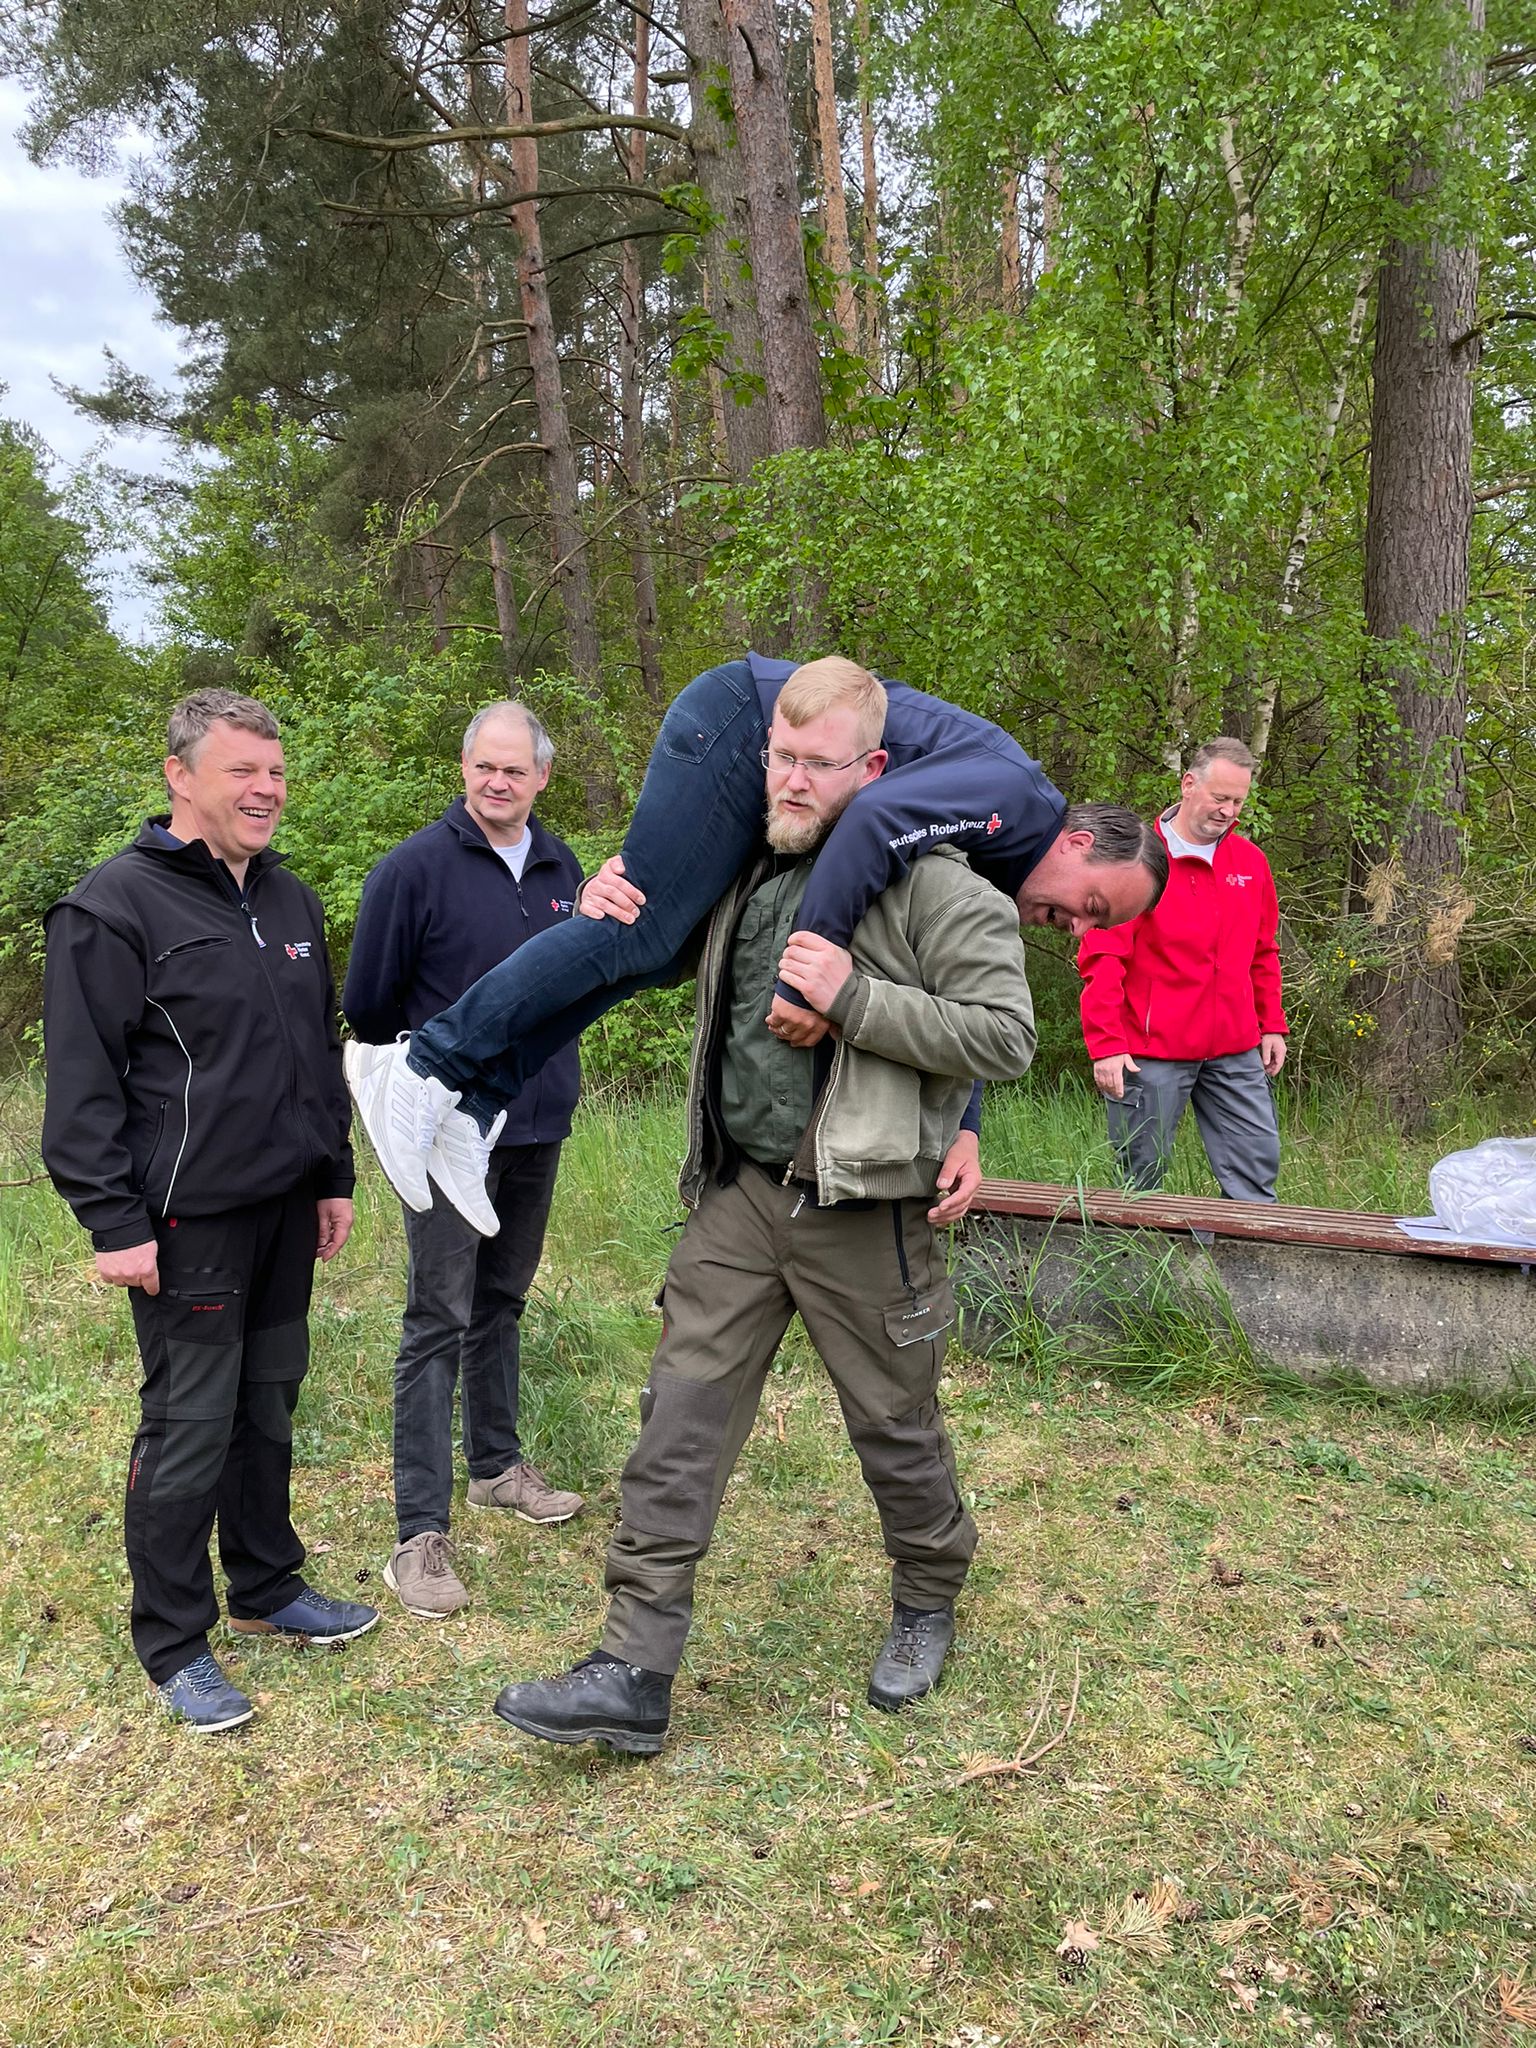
x,y
833,684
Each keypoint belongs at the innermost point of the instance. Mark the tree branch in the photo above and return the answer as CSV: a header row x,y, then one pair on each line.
x,y
472,208
1482,327
444,138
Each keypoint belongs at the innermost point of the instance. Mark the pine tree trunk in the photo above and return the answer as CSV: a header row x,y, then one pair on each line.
x,y
1417,545
637,518
1012,246
834,192
730,296
571,574
872,303
796,416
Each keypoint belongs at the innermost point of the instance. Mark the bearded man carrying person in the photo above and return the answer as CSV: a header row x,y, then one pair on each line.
x,y
809,1177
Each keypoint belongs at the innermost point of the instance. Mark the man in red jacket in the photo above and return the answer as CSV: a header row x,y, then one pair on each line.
x,y
1182,1005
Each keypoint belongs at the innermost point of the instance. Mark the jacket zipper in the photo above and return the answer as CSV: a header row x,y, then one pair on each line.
x,y
188,946
287,1036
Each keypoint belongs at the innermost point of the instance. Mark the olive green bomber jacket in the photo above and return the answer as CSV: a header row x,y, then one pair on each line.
x,y
937,999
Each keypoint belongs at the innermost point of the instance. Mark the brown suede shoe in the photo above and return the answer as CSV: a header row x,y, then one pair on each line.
x,y
422,1573
524,1489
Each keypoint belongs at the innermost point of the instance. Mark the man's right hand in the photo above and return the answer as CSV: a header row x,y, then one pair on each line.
x,y
1109,1075
138,1266
607,894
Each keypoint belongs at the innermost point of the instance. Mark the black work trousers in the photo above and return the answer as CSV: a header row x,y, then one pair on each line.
x,y
224,1344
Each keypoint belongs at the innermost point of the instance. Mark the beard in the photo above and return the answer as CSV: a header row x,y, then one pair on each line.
x,y
799,832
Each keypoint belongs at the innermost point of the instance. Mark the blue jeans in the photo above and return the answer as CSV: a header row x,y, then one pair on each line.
x,y
699,817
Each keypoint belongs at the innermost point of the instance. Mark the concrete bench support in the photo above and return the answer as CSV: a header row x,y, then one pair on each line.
x,y
1312,1291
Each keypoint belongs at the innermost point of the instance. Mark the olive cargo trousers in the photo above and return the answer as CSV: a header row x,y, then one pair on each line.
x,y
870,1285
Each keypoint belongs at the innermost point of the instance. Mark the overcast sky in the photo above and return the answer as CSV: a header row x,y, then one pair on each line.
x,y
67,295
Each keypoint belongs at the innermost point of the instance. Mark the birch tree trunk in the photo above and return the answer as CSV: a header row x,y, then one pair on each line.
x,y
1311,504
571,574
1417,545
637,518
834,192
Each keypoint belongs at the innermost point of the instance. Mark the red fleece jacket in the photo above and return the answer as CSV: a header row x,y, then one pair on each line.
x,y
1198,976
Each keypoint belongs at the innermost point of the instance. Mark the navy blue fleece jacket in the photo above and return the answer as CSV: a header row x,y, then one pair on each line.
x,y
440,910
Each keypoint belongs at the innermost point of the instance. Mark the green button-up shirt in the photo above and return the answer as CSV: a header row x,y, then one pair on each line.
x,y
767,1088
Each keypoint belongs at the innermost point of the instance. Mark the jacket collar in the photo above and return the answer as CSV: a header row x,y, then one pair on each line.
x,y
458,820
1166,818
192,856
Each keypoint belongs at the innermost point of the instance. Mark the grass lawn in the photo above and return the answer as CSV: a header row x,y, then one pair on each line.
x,y
1293,1803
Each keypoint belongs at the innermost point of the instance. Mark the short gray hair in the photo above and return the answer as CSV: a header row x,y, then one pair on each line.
x,y
1120,839
1233,752
508,707
194,715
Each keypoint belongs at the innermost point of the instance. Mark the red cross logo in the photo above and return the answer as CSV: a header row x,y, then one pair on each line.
x,y
994,824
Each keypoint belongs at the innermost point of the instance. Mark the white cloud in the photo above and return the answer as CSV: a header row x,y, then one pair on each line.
x,y
69,295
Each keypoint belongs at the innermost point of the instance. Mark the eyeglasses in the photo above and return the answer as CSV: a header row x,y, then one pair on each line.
x,y
786,764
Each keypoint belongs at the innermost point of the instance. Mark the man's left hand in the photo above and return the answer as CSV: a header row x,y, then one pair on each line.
x,y
1272,1052
816,967
959,1178
334,1217
796,1026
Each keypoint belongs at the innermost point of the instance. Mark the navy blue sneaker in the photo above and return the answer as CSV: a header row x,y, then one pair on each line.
x,y
312,1618
203,1697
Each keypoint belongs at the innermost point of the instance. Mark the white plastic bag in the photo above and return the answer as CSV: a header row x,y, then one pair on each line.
x,y
1488,1192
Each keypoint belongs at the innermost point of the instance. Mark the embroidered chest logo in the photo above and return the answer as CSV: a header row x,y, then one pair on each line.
x,y
562,905
994,824
1238,881
299,950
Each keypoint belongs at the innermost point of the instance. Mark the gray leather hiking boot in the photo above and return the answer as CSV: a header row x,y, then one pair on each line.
x,y
527,1493
421,1572
912,1656
622,1706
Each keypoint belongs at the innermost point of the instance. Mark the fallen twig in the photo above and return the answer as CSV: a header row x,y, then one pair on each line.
x,y
1013,1766
1017,1765
241,1913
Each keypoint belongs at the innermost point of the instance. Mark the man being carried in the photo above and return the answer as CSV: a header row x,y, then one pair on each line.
x,y
808,1176
952,779
1183,1004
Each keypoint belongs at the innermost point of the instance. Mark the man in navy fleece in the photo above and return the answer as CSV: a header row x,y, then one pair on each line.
x,y
457,897
952,779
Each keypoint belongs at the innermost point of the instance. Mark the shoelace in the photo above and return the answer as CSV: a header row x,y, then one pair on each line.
x,y
203,1676
322,1603
907,1639
436,1554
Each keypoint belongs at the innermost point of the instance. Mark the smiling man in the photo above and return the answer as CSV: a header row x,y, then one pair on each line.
x,y
196,1123
440,910
1182,1005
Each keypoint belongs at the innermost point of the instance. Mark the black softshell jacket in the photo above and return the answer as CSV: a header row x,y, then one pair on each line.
x,y
194,1057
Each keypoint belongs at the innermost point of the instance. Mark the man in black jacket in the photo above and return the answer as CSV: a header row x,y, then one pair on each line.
x,y
196,1123
438,911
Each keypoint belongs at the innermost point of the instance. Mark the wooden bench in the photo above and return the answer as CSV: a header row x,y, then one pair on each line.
x,y
1312,1290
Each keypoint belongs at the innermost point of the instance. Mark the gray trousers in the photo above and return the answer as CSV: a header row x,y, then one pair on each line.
x,y
1234,1106
872,1290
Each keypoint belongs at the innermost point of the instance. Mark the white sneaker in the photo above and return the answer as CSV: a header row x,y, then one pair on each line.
x,y
459,1161
400,1110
